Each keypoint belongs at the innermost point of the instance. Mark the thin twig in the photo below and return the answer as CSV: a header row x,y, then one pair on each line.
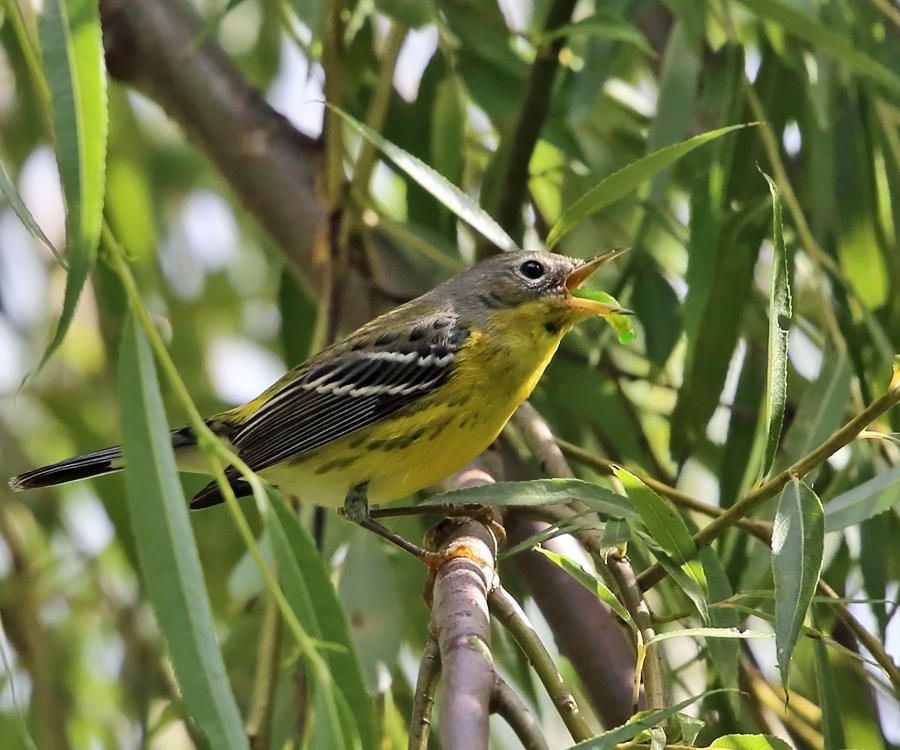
x,y
508,204
506,703
597,646
507,610
384,85
423,700
757,496
540,441
759,529
633,599
863,636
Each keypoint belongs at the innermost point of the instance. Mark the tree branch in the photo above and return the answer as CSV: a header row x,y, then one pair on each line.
x,y
460,624
507,610
594,642
532,114
423,699
154,46
756,497
506,703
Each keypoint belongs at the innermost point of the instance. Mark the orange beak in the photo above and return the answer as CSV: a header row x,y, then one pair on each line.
x,y
583,305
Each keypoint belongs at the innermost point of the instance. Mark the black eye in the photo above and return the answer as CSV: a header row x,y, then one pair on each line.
x,y
531,269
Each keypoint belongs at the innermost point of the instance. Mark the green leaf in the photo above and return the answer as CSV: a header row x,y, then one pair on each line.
x,y
167,553
603,24
435,183
663,522
690,578
311,594
540,492
779,328
723,654
829,700
9,191
622,182
864,501
638,723
76,76
821,408
750,742
621,324
811,30
590,582
734,633
412,13
798,539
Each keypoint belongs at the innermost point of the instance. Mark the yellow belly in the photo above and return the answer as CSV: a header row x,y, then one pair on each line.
x,y
428,440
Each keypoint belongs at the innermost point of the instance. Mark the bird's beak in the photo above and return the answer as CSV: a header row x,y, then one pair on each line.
x,y
584,305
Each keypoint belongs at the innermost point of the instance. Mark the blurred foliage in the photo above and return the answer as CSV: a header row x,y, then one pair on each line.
x,y
685,402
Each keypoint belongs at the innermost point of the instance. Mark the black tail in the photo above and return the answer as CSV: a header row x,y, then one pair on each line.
x,y
80,467
89,465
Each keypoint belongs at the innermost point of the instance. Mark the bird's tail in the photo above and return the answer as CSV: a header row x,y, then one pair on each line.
x,y
89,465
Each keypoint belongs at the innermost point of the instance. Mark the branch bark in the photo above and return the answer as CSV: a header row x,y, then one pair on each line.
x,y
153,45
460,624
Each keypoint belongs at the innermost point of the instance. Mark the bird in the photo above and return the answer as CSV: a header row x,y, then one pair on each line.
x,y
399,404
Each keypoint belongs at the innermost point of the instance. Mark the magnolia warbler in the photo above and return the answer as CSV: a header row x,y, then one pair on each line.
x,y
399,404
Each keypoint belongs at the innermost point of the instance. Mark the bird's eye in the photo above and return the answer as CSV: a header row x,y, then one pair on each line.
x,y
531,269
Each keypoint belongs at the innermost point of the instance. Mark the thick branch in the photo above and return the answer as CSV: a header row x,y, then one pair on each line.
x,y
461,625
154,46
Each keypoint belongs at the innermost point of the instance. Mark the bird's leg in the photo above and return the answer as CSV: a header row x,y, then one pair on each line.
x,y
487,514
356,509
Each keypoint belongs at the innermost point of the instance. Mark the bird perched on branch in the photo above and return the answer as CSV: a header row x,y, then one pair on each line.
x,y
400,403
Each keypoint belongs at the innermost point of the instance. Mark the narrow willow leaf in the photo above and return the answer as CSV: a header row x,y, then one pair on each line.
x,y
622,182
730,633
621,324
606,25
691,579
578,521
839,46
540,492
798,539
170,565
9,191
590,582
779,328
821,409
663,522
829,700
864,501
435,183
312,596
76,76
723,654
750,742
638,723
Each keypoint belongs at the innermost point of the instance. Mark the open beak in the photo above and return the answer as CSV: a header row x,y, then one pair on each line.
x,y
583,305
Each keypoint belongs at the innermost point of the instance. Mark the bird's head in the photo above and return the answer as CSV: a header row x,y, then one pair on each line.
x,y
535,284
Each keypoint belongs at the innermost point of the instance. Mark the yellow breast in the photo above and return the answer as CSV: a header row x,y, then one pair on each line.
x,y
431,438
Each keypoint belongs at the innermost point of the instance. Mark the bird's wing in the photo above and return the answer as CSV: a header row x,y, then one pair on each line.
x,y
338,394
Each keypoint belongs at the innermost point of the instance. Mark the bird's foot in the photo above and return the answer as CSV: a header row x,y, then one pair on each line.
x,y
356,509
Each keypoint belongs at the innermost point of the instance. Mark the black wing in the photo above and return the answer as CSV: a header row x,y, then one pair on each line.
x,y
338,394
